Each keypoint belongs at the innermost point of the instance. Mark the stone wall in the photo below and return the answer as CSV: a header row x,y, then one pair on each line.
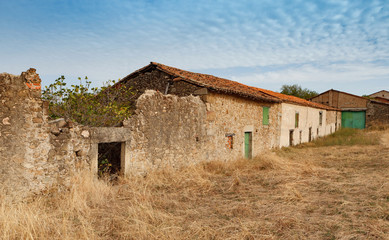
x,y
35,154
377,113
166,130
178,131
159,81
231,115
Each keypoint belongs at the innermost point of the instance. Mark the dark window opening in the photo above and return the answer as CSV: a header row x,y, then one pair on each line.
x,y
310,134
109,163
320,118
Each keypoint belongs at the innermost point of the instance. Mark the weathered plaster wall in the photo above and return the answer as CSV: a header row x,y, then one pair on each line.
x,y
34,154
228,114
308,118
333,121
377,113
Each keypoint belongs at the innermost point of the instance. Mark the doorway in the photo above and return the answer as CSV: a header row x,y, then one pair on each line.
x,y
291,137
248,152
109,159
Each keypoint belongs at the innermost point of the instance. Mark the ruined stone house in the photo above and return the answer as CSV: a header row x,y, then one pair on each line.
x,y
229,120
181,118
357,112
36,153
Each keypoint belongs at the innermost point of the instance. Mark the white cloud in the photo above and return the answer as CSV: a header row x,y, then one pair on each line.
x,y
334,75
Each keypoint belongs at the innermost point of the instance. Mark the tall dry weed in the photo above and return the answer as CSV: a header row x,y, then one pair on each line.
x,y
336,192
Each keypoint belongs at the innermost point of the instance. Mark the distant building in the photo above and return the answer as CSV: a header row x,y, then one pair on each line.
x,y
380,94
357,112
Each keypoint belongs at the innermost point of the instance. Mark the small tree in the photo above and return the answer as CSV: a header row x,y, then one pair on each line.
x,y
105,106
296,90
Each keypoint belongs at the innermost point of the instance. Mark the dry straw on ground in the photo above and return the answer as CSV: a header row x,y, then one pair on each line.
x,y
309,192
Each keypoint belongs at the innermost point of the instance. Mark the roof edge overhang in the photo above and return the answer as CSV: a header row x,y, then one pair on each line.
x,y
324,107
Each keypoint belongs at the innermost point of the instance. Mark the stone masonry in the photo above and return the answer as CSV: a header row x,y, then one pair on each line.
x,y
35,154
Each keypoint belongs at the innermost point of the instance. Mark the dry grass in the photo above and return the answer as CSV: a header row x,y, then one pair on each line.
x,y
335,192
347,137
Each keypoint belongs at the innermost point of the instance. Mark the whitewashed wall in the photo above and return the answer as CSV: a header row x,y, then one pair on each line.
x,y
308,117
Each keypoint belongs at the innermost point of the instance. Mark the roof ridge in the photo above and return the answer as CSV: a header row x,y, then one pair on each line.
x,y
229,86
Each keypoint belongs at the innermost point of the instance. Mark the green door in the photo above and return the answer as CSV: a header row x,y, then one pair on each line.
x,y
354,119
248,145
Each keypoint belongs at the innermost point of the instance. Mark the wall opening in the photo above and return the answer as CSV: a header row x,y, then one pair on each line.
x,y
109,159
320,118
310,134
291,137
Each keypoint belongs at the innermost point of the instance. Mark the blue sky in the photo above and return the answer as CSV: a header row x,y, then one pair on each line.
x,y
320,45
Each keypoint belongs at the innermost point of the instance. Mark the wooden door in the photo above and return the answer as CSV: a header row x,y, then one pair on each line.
x,y
248,145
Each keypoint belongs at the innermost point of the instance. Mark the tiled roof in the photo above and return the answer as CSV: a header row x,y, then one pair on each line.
x,y
297,100
228,86
217,83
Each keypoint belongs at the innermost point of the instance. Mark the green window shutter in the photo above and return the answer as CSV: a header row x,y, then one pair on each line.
x,y
265,118
296,123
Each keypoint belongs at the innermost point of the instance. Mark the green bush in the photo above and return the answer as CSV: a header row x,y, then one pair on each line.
x,y
105,106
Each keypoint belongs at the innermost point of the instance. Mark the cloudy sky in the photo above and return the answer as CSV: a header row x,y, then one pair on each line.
x,y
320,45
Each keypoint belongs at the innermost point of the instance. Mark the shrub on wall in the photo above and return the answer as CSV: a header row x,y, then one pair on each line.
x,y
105,106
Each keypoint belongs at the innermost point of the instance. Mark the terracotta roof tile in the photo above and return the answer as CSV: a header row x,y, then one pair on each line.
x,y
297,100
216,83
229,86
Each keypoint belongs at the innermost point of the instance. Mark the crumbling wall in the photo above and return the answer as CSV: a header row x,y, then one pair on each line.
x,y
34,154
166,130
157,80
333,121
21,131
